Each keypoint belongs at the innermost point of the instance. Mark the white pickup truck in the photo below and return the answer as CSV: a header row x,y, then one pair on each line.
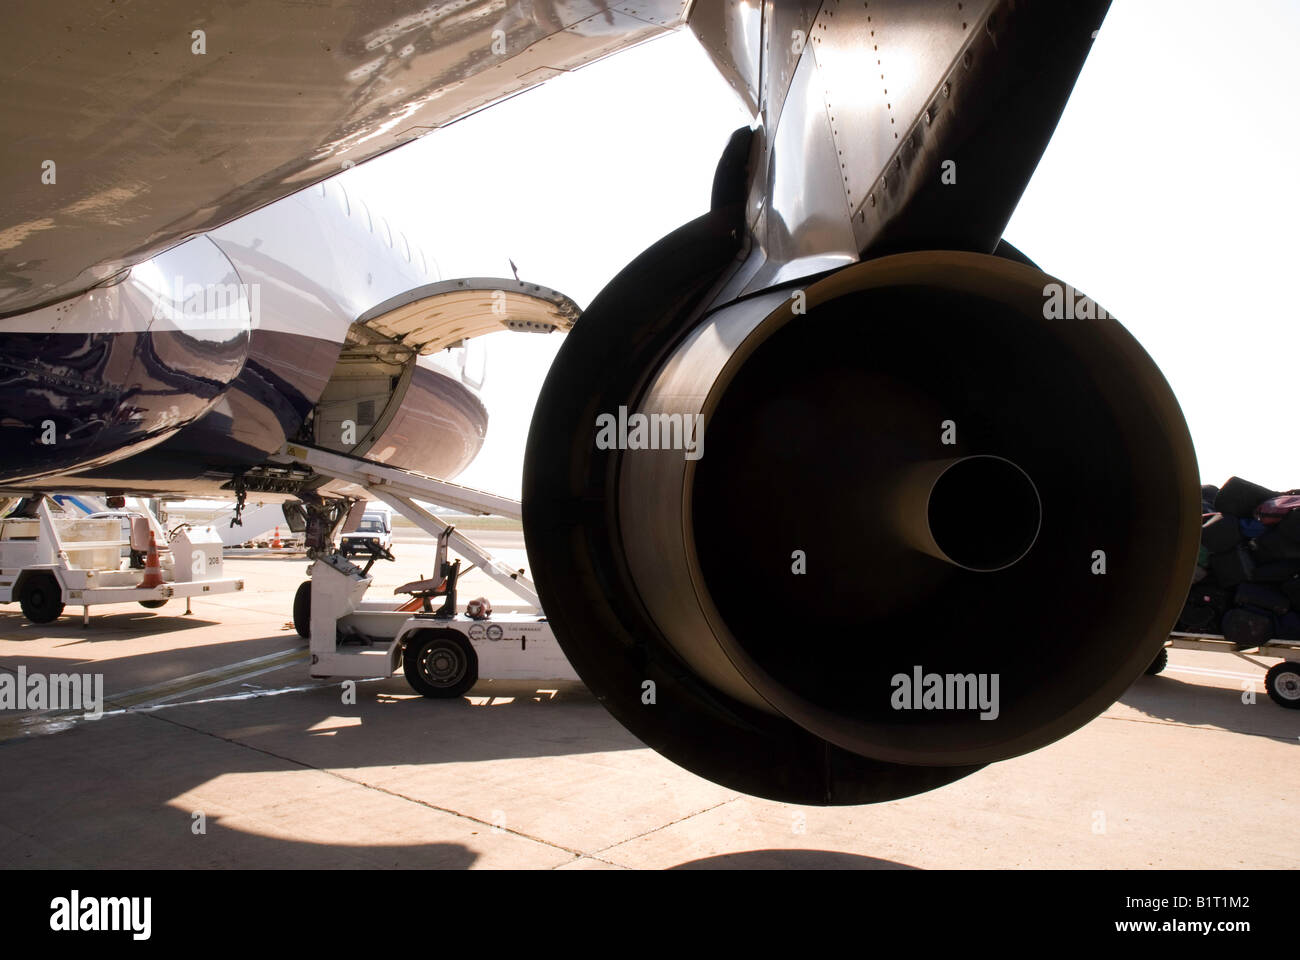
x,y
375,529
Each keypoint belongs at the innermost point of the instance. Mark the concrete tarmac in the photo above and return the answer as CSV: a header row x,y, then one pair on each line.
x,y
217,750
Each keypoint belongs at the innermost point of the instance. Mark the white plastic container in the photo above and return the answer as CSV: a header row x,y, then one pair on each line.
x,y
197,551
92,544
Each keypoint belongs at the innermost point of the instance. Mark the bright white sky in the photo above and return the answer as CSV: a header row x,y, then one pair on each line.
x,y
1168,194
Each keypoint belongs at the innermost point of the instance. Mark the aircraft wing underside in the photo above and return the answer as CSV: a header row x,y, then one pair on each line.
x,y
134,126
152,141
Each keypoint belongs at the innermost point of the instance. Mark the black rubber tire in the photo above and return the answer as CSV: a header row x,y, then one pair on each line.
x,y
1283,684
1159,663
302,610
451,674
41,600
152,604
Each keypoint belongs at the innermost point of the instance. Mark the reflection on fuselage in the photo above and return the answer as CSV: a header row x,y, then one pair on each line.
x,y
203,360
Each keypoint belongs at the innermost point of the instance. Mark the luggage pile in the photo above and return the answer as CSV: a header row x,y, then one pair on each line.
x,y
1247,581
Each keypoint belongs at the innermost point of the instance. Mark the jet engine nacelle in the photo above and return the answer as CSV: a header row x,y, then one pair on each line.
x,y
850,540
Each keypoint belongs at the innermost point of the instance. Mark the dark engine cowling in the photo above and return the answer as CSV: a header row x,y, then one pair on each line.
x,y
911,468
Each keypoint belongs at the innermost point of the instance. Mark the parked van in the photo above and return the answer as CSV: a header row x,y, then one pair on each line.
x,y
375,529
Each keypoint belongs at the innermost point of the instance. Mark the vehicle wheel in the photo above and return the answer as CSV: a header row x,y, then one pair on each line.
x,y
302,610
41,600
1159,663
152,604
1283,683
440,664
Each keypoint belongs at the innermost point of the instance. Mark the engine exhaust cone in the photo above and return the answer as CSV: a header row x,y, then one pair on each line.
x,y
929,525
943,510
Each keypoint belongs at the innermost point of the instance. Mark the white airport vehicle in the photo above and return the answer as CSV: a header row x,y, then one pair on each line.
x,y
442,653
375,529
49,562
124,518
1282,679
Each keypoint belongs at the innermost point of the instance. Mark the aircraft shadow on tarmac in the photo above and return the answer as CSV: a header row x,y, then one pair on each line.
x,y
108,793
1169,698
164,839
115,793
792,860
135,671
391,726
103,626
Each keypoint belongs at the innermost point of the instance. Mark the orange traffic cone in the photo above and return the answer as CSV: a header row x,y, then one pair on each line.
x,y
275,543
152,568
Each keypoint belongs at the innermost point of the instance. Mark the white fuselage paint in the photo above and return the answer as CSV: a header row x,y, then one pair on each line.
x,y
306,265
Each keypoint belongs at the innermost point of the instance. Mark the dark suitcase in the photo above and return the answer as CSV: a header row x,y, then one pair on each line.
x,y
1262,596
1212,595
1288,627
1240,497
1289,526
1273,547
1272,511
1208,492
1276,572
1221,532
1232,567
1291,588
1247,628
1205,606
1197,618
